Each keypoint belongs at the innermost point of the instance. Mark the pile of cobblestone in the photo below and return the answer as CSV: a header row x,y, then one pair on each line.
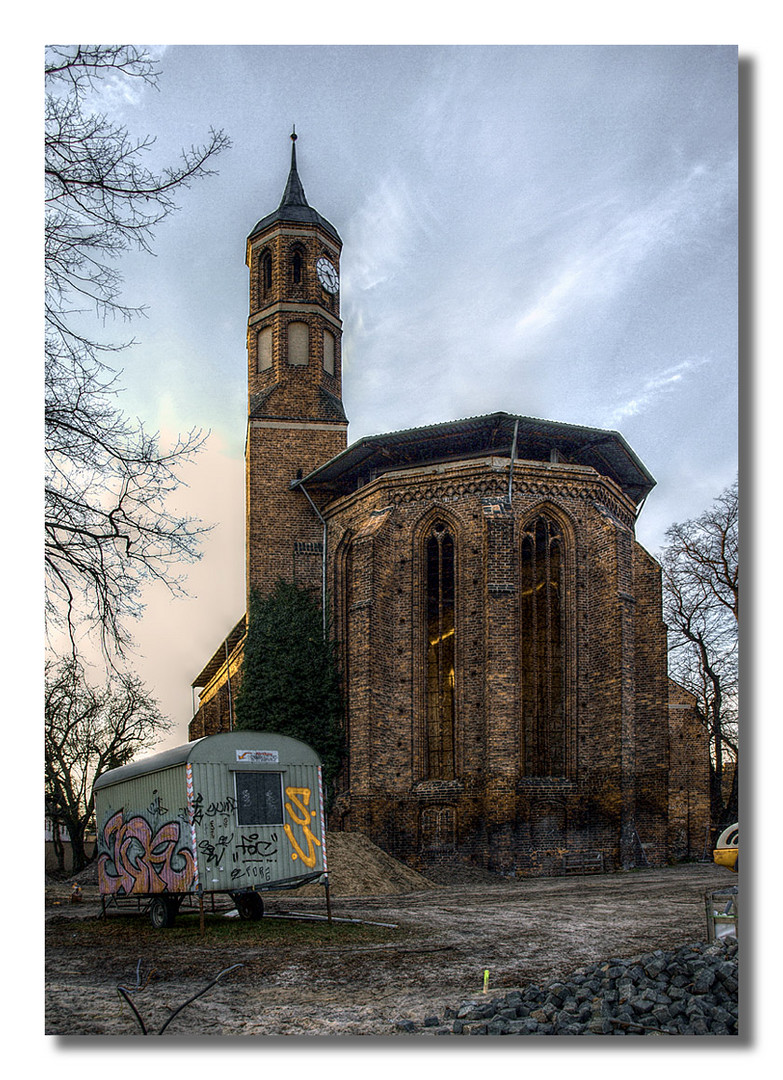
x,y
692,990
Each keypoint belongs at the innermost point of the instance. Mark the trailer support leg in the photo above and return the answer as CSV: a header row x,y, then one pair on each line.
x,y
328,903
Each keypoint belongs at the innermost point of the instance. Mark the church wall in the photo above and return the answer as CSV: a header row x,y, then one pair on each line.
x,y
652,742
689,835
490,811
603,753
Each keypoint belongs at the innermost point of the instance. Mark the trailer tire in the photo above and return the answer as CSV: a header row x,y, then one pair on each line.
x,y
249,905
162,912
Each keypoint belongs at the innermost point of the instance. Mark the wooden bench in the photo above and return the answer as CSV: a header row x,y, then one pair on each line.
x,y
583,862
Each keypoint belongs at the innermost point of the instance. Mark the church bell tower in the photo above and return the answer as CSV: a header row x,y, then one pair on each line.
x,y
296,420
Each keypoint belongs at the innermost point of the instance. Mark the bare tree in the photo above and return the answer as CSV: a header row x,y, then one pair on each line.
x,y
701,608
88,730
107,525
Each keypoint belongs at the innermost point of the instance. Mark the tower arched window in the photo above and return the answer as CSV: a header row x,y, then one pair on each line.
x,y
266,272
543,660
297,267
440,579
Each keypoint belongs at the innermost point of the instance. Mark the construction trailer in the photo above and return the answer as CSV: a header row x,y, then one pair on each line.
x,y
239,813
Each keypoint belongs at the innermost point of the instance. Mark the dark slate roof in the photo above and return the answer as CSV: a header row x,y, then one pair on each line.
x,y
262,405
294,207
484,436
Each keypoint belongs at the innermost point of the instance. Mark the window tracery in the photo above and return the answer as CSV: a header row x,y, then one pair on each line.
x,y
543,659
441,654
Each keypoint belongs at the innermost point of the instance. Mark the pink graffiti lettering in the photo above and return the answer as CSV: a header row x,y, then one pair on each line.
x,y
135,860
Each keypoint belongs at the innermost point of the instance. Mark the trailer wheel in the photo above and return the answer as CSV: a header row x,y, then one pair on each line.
x,y
249,905
162,912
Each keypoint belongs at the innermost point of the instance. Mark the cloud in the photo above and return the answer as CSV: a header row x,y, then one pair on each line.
x,y
548,307
612,247
663,382
383,235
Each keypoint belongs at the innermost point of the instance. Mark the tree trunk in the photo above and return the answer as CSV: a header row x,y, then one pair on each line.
x,y
58,846
732,806
78,855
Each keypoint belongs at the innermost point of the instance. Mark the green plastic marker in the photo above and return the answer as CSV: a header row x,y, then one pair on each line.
x,y
486,980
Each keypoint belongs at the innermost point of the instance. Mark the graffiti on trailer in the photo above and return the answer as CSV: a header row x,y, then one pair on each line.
x,y
156,807
197,811
136,859
214,852
252,846
300,797
258,856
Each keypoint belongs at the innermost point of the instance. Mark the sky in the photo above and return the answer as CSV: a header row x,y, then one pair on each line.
x,y
543,230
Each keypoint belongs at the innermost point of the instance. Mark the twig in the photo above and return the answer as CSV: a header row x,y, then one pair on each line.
x,y
198,995
323,918
136,1013
126,995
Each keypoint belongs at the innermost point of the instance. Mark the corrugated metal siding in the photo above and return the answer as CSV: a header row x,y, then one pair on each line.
x,y
177,829
144,838
233,856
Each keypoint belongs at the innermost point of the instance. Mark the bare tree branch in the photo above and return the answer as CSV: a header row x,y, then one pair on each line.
x,y
89,730
701,608
108,525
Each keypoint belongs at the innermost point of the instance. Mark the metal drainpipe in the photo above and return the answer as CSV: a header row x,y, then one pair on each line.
x,y
323,554
513,459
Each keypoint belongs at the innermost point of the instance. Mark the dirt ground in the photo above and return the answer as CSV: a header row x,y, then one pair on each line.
x,y
355,977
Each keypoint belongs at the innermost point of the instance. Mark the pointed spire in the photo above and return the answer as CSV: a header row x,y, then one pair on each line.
x,y
294,192
294,206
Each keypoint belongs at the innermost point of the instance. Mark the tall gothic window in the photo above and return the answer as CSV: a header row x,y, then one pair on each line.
x,y
440,601
543,648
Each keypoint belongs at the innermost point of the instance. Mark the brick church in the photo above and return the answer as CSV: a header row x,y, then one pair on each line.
x,y
499,626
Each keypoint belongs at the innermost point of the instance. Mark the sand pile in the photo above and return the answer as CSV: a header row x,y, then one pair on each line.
x,y
357,867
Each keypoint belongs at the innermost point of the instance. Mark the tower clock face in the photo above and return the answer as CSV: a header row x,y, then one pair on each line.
x,y
327,275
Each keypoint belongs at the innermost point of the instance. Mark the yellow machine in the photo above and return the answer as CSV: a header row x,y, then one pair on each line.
x,y
726,851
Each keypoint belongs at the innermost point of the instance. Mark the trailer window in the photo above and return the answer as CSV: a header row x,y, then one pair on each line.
x,y
259,798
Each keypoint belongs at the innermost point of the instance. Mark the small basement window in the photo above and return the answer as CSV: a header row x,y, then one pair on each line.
x,y
259,798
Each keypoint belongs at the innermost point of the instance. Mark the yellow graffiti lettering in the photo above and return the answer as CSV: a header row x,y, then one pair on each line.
x,y
300,797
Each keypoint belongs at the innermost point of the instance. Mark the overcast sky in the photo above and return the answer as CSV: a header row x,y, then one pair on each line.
x,y
544,230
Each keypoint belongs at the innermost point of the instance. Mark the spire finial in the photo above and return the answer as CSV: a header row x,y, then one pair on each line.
x,y
294,192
